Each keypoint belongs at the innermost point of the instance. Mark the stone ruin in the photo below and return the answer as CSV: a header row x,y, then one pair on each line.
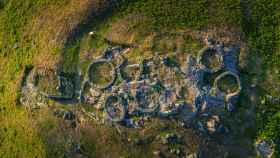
x,y
157,87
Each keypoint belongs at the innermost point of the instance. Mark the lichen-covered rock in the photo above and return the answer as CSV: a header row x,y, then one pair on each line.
x,y
265,148
115,108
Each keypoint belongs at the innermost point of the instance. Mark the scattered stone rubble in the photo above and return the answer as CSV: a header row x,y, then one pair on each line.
x,y
265,148
159,87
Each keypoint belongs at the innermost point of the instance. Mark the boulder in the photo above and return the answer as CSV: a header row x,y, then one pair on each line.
x,y
265,148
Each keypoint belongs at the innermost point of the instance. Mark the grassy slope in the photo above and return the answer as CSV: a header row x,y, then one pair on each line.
x,y
264,38
261,30
18,136
21,45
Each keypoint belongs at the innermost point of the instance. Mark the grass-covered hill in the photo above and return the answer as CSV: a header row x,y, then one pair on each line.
x,y
44,33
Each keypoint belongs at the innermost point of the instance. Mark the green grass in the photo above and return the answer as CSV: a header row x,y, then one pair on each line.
x,y
271,131
101,74
191,13
18,133
228,84
210,59
260,30
263,35
18,136
70,57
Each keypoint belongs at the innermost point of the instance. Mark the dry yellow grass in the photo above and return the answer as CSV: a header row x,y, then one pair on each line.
x,y
46,31
51,30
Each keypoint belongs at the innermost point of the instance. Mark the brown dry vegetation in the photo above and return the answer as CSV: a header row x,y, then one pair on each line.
x,y
60,24
44,35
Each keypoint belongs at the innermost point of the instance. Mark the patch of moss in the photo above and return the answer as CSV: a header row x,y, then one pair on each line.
x,y
191,13
101,74
263,35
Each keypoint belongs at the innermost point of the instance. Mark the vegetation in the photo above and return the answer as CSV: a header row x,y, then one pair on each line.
x,y
101,73
262,30
34,33
19,136
191,13
211,59
228,84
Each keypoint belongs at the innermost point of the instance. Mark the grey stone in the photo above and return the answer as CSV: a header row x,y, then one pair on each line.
x,y
265,148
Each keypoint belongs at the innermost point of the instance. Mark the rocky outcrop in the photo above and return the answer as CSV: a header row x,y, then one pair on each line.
x,y
265,148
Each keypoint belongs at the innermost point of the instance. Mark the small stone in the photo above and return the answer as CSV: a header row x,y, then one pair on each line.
x,y
129,139
192,155
212,123
15,46
253,85
91,33
210,41
211,126
156,153
164,141
178,151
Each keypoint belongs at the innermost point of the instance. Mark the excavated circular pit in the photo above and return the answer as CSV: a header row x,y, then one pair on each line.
x,y
228,83
115,108
146,98
101,73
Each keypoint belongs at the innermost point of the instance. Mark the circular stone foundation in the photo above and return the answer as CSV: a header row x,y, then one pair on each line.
x,y
228,83
101,74
210,59
115,108
146,99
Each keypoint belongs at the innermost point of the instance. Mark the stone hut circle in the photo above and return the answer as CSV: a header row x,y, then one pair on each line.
x,y
101,73
115,108
228,83
146,98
